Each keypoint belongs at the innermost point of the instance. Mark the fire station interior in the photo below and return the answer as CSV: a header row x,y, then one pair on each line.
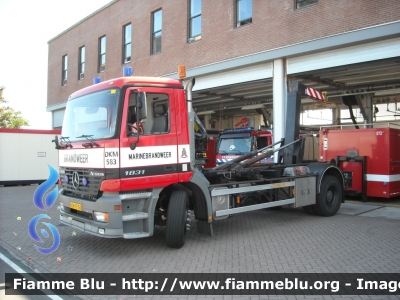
x,y
372,90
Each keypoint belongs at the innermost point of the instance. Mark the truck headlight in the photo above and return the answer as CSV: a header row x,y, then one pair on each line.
x,y
101,217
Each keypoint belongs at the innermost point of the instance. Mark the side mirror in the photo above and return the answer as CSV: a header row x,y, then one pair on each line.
x,y
139,100
216,145
141,105
55,141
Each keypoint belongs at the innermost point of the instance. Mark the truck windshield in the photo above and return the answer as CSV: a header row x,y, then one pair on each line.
x,y
234,145
92,115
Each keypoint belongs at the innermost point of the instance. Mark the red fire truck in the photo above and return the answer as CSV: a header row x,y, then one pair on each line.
x,y
127,158
370,159
235,142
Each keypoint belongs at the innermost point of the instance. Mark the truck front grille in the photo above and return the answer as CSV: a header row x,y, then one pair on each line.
x,y
81,183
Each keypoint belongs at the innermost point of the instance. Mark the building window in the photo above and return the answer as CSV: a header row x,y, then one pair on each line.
x,y
64,74
81,66
303,3
244,12
194,20
102,54
156,32
127,44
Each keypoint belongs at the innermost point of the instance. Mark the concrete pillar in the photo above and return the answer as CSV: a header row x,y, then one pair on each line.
x,y
336,116
279,94
369,110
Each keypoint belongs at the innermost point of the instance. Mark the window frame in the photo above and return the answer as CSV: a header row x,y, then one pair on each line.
x,y
64,70
126,59
297,4
153,33
100,65
153,100
81,63
240,23
192,38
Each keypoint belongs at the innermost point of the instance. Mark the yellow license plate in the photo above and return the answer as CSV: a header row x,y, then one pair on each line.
x,y
76,206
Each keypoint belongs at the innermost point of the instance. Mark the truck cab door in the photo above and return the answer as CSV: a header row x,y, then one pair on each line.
x,y
152,161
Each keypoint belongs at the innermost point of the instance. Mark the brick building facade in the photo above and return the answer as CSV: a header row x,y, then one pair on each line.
x,y
275,27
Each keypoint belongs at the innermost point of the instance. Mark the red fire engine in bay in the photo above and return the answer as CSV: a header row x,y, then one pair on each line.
x,y
120,183
235,142
370,159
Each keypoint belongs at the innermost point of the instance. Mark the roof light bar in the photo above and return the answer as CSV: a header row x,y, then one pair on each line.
x,y
238,129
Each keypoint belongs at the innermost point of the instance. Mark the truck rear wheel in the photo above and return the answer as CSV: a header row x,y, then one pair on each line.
x,y
330,197
176,219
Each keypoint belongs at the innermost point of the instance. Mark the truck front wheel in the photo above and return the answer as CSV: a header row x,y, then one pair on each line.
x,y
330,197
176,219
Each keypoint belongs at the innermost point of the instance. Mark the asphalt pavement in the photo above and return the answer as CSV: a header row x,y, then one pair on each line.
x,y
361,238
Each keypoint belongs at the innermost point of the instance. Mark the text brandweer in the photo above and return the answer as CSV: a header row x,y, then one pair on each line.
x,y
76,158
150,155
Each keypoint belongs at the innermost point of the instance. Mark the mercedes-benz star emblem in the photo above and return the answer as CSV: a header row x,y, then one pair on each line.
x,y
75,180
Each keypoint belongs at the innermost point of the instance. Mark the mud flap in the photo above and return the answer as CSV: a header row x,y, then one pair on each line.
x,y
205,228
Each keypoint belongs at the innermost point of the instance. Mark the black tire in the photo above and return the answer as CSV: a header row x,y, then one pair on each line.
x,y
176,219
309,209
330,196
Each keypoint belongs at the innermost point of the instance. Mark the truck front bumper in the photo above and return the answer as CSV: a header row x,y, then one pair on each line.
x,y
130,215
84,220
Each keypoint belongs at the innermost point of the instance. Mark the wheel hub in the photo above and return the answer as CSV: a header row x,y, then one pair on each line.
x,y
329,196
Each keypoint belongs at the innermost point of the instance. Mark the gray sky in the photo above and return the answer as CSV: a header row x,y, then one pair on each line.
x,y
25,28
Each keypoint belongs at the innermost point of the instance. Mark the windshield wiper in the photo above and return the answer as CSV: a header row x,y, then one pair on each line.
x,y
90,139
222,152
65,142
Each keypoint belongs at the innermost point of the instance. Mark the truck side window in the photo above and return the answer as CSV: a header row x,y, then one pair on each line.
x,y
157,118
262,142
160,117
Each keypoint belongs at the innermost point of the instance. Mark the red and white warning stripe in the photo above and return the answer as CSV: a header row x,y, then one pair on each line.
x,y
314,94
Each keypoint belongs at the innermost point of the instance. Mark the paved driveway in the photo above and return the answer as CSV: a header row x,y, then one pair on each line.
x,y
266,241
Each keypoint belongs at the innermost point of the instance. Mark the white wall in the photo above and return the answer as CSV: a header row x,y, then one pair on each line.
x,y
344,56
21,156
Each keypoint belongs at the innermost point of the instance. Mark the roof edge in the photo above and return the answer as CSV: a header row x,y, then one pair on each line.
x,y
342,39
